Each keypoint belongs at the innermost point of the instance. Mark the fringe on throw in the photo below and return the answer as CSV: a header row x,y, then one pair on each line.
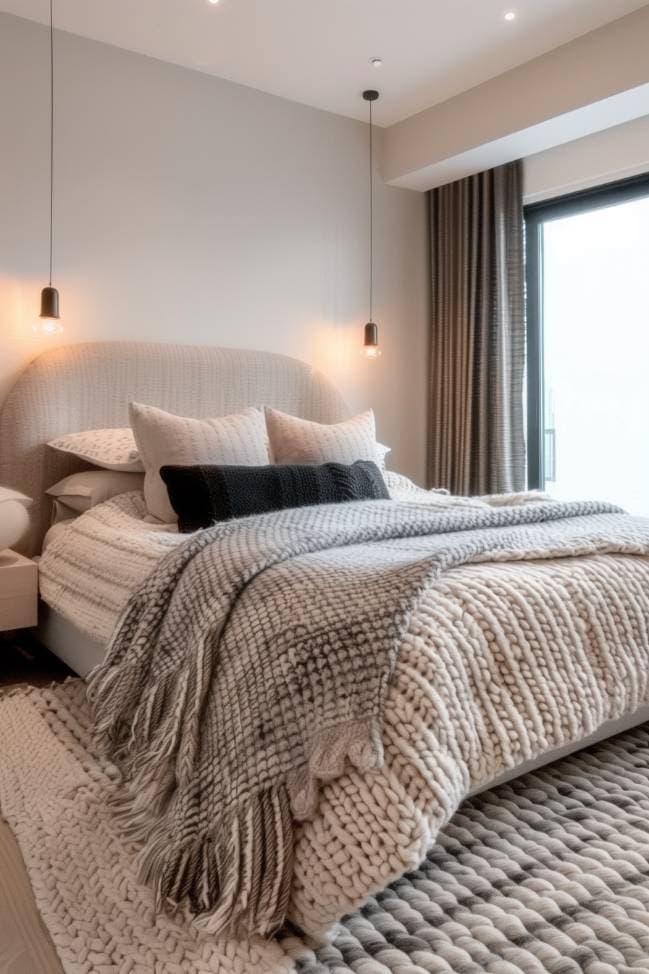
x,y
232,880
231,877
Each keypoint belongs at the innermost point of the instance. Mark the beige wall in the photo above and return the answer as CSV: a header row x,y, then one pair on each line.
x,y
191,209
600,158
593,82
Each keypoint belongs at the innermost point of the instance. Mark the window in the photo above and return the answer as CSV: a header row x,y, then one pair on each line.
x,y
588,345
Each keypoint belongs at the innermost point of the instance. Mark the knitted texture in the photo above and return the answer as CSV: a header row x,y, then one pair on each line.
x,y
112,449
295,440
54,795
545,875
90,569
89,385
99,560
165,439
203,494
225,712
501,663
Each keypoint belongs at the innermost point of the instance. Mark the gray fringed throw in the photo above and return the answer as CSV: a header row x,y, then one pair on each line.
x,y
254,662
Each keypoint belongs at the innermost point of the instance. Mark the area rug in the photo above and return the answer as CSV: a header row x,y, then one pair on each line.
x,y
547,874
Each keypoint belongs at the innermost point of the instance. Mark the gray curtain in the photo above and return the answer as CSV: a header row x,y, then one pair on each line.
x,y
476,436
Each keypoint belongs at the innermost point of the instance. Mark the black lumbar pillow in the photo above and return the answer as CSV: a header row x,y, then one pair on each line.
x,y
204,494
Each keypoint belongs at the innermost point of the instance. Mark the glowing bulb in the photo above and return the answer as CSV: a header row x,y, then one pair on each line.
x,y
370,347
510,15
48,322
47,326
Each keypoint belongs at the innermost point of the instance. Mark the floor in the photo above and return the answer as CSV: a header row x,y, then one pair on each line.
x,y
25,944
24,661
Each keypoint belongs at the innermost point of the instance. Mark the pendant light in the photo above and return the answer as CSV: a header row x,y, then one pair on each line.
x,y
49,319
371,347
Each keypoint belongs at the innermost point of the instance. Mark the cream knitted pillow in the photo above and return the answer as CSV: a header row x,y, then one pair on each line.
x,y
111,449
294,440
165,440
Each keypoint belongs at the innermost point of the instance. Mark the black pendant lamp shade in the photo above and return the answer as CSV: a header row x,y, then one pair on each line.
x,y
49,316
371,347
49,303
371,336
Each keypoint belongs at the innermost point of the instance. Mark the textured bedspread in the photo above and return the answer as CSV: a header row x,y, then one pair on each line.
x,y
96,561
224,717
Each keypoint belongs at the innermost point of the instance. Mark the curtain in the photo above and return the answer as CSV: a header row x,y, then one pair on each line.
x,y
477,368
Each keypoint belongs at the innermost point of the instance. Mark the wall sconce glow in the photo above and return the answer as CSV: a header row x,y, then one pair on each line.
x,y
510,15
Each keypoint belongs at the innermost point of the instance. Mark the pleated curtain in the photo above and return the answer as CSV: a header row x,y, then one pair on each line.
x,y
477,368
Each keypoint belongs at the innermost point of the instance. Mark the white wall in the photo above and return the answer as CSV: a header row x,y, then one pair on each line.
x,y
601,158
191,209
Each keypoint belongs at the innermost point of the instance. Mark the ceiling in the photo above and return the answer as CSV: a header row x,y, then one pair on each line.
x,y
317,51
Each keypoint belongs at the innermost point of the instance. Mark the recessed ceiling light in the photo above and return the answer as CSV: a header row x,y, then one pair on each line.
x,y
214,1
510,15
376,62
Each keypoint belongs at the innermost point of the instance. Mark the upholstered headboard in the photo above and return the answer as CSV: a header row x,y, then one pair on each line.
x,y
89,386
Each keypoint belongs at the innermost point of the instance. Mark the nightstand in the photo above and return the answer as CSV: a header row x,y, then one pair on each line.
x,y
18,591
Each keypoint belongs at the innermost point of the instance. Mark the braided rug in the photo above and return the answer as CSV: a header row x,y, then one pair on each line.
x,y
547,874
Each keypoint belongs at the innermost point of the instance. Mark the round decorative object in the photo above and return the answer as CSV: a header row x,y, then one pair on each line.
x,y
14,517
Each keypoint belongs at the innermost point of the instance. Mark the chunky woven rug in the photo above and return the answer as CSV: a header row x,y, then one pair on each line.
x,y
547,874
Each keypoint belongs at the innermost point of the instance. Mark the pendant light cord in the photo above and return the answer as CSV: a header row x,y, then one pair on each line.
x,y
371,216
51,133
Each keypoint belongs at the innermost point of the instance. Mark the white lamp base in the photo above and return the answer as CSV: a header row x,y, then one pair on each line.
x,y
14,521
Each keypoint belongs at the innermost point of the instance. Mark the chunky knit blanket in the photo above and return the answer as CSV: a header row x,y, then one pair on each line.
x,y
224,711
203,494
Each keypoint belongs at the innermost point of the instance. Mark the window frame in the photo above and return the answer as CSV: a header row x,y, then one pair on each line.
x,y
536,215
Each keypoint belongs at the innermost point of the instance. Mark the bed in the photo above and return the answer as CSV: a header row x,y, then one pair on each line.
x,y
89,385
368,828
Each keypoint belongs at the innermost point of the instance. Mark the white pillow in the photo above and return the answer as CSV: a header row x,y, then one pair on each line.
x,y
81,491
112,449
61,513
294,440
164,439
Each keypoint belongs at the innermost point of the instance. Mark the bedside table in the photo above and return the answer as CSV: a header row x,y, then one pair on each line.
x,y
18,591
